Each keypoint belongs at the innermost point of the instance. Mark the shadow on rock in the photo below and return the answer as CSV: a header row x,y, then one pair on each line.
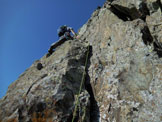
x,y
94,109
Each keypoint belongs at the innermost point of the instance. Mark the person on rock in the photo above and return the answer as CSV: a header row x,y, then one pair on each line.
x,y
64,33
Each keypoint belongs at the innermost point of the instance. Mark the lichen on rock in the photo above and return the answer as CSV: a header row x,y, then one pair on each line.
x,y
123,76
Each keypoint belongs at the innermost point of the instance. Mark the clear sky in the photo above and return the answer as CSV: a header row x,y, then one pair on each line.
x,y
28,27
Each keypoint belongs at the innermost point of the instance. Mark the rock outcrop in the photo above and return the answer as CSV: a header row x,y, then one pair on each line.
x,y
112,73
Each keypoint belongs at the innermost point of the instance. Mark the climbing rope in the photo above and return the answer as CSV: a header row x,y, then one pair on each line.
x,y
81,85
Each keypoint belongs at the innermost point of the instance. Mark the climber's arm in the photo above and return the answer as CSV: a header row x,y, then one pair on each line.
x,y
73,32
70,29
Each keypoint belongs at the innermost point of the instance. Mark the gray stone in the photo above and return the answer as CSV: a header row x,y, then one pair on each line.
x,y
123,76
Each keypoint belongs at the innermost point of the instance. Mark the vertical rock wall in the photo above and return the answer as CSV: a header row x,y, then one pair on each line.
x,y
125,68
123,75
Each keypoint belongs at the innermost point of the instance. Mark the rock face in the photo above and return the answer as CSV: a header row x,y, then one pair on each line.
x,y
117,61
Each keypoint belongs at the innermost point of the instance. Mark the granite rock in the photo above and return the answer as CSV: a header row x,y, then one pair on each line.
x,y
122,46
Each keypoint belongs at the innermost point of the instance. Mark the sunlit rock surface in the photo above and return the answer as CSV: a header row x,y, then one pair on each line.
x,y
122,44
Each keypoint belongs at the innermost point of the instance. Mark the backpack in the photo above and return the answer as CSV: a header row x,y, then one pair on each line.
x,y
62,30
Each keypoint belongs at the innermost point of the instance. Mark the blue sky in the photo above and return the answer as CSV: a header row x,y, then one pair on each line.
x,y
28,27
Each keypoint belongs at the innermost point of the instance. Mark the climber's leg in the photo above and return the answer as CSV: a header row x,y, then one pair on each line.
x,y
55,45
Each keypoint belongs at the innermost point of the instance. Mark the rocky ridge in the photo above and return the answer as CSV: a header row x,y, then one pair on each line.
x,y
123,75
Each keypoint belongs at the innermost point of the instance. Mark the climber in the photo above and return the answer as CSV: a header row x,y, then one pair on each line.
x,y
64,32
64,35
